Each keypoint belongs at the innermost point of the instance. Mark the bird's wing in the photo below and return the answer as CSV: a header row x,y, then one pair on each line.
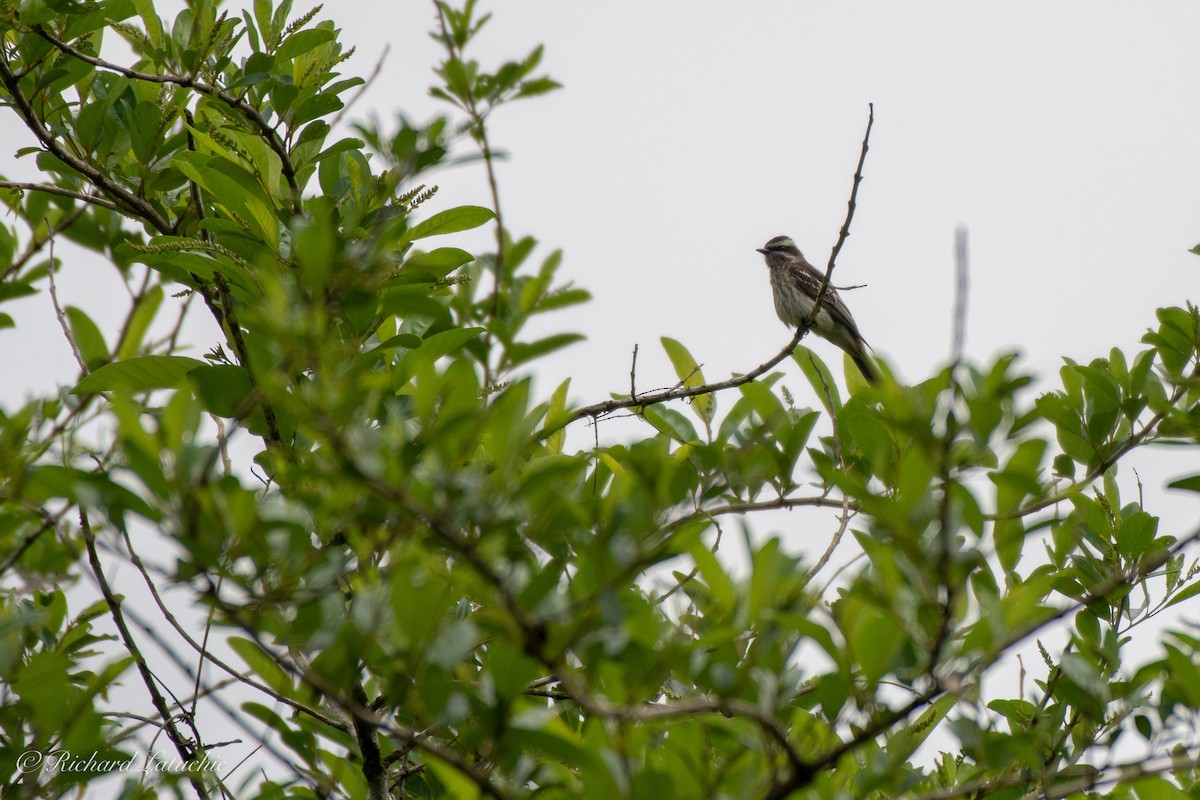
x,y
831,302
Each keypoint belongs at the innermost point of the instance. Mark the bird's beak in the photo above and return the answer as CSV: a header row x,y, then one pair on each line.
x,y
761,250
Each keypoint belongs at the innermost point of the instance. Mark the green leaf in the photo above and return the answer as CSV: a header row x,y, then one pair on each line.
x,y
1154,787
222,388
872,634
144,130
1019,713
453,220
557,417
87,337
88,488
672,423
1136,534
819,377
440,262
522,352
719,582
1184,595
261,662
689,374
139,323
138,374
1190,484
446,342
304,40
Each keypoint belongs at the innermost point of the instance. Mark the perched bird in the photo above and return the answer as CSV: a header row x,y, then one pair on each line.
x,y
795,284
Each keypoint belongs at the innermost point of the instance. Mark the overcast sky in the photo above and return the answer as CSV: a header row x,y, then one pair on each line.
x,y
1063,135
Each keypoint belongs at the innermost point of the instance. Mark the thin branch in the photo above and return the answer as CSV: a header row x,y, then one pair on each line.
x,y
843,524
597,410
62,318
633,374
207,655
49,523
49,188
844,233
36,244
1132,442
185,749
748,508
961,296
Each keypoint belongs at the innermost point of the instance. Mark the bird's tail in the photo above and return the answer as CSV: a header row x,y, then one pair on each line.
x,y
863,362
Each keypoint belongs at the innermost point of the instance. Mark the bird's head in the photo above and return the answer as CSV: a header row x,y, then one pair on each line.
x,y
780,249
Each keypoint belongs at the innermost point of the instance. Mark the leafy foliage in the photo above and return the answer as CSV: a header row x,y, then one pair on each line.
x,y
419,591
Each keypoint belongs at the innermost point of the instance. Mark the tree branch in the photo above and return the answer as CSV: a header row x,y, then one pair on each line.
x,y
844,233
185,749
60,191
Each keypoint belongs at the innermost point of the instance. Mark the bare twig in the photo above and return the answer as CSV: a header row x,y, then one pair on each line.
x,y
960,295
185,749
387,48
50,188
62,318
843,524
844,233
633,374
598,410
37,243
820,501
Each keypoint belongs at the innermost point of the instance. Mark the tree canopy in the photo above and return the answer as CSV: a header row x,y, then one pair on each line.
x,y
373,567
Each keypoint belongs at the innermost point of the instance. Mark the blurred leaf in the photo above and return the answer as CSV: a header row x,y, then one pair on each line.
x,y
452,220
689,374
88,338
523,352
820,378
138,374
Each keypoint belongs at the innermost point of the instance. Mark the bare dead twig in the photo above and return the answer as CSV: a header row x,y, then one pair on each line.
x,y
185,749
844,233
62,317
633,374
50,188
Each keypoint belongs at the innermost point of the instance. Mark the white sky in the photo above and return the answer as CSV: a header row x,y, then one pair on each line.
x,y
1063,135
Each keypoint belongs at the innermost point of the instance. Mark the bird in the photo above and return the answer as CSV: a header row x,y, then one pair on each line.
x,y
795,284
